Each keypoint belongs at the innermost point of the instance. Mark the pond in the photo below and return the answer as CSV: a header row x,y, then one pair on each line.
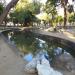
x,y
28,42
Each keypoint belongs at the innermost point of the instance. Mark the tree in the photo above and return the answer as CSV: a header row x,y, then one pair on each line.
x,y
28,18
13,17
34,7
23,17
51,11
71,18
63,3
70,8
6,10
24,12
59,19
1,8
50,8
3,2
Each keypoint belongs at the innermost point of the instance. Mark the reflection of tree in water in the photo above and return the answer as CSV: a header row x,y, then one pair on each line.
x,y
27,42
24,41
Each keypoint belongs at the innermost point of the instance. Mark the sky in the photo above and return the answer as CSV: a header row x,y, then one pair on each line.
x,y
7,1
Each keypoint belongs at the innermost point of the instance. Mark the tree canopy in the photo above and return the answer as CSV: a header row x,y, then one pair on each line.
x,y
34,7
51,4
71,18
24,12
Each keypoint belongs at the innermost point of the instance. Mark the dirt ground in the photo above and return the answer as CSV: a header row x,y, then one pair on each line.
x,y
10,62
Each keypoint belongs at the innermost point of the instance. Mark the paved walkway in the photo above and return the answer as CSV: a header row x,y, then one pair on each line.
x,y
62,35
10,62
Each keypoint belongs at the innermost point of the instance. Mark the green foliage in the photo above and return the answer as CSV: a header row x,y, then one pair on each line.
x,y
53,2
59,19
50,8
24,17
1,8
24,12
14,17
72,18
34,7
28,17
63,3
26,42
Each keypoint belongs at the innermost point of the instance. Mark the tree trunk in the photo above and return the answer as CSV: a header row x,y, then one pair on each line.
x,y
7,9
64,4
65,16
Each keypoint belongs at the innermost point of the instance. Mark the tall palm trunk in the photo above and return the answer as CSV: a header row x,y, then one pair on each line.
x,y
7,9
